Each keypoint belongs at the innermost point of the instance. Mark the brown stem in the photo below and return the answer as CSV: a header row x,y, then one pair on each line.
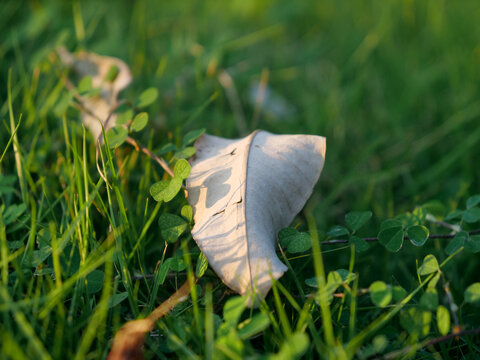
x,y
371,239
398,353
160,161
433,220
451,303
151,276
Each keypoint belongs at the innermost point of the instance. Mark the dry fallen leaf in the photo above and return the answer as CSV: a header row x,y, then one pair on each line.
x,y
100,69
243,192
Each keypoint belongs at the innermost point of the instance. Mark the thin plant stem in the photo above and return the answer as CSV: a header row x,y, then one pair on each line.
x,y
160,161
396,354
373,239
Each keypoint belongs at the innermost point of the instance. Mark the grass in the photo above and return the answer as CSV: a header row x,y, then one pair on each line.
x,y
392,85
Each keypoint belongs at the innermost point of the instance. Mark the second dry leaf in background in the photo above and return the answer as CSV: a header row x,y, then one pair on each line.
x,y
109,75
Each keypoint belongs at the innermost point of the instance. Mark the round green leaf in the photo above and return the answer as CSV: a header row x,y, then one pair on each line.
x,y
44,271
337,231
398,293
94,281
286,235
191,136
6,184
391,238
455,214
457,242
334,280
294,241
443,320
432,284
233,309
171,227
429,299
294,346
147,97
416,321
202,265
253,326
312,282
379,343
471,215
418,234
346,275
472,293
181,169
390,223
165,149
15,245
172,190
124,117
177,264
360,244
140,121
166,190
85,85
299,243
157,190
116,136
112,73
186,153
473,201
473,243
418,216
116,299
356,219
434,207
187,212
380,293
430,265
13,212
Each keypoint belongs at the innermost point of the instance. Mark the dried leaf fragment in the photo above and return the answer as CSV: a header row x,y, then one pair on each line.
x,y
108,74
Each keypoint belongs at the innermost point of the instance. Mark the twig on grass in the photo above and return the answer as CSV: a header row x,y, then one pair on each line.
x,y
453,306
152,276
396,354
373,239
145,150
